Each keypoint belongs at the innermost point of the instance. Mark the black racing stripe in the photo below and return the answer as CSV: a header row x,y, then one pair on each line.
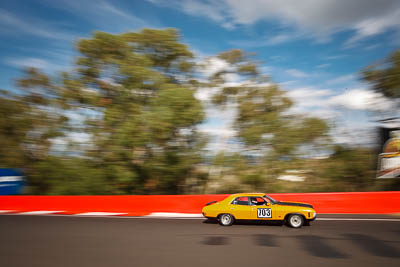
x,y
295,204
212,202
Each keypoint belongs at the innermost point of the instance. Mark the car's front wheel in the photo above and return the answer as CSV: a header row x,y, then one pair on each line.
x,y
295,221
226,219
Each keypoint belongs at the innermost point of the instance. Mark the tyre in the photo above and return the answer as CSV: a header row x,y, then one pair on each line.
x,y
295,220
226,219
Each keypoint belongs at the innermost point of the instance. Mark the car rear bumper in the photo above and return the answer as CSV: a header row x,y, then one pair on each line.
x,y
208,217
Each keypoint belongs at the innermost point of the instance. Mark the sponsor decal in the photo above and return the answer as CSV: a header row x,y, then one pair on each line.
x,y
264,213
389,159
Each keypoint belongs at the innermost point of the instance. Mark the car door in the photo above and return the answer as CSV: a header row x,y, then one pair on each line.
x,y
240,208
261,209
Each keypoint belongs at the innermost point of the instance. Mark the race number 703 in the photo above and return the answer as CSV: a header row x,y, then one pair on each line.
x,y
264,213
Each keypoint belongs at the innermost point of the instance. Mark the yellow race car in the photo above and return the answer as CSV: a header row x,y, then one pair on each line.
x,y
259,206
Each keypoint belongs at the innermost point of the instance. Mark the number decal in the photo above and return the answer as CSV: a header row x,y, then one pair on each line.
x,y
264,213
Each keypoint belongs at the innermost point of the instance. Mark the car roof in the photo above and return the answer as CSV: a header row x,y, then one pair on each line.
x,y
249,194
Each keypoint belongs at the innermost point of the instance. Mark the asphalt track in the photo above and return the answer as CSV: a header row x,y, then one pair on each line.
x,y
82,241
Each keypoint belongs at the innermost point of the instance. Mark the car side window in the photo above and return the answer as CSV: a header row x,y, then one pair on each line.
x,y
241,201
257,201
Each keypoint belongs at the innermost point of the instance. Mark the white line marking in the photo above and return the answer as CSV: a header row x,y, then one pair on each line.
x,y
6,211
100,214
175,215
40,212
357,219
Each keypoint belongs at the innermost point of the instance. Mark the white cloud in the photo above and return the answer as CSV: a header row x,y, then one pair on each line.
x,y
220,128
12,24
280,38
312,101
297,73
205,93
340,108
355,134
372,47
322,66
79,137
108,7
106,15
361,99
39,63
215,10
319,19
213,65
353,99
333,57
269,40
34,62
219,122
28,62
374,26
199,8
278,58
342,79
287,83
220,131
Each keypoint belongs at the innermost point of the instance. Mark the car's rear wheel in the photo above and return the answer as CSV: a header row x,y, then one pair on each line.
x,y
295,220
226,219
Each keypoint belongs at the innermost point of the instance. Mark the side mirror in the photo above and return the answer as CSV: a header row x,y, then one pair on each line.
x,y
267,204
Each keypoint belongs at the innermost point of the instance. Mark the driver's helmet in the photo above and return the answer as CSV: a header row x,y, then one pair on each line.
x,y
253,201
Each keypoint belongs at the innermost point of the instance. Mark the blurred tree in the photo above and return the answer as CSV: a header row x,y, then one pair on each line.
x,y
131,95
264,123
124,121
14,126
349,169
385,77
144,109
30,121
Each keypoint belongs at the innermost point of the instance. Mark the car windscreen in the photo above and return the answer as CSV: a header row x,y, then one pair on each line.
x,y
273,201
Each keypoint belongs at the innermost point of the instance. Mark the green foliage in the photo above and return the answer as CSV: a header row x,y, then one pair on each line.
x,y
263,120
385,78
14,126
146,136
350,169
130,103
130,94
67,176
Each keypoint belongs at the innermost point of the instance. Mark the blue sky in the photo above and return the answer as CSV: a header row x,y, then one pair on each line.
x,y
314,50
